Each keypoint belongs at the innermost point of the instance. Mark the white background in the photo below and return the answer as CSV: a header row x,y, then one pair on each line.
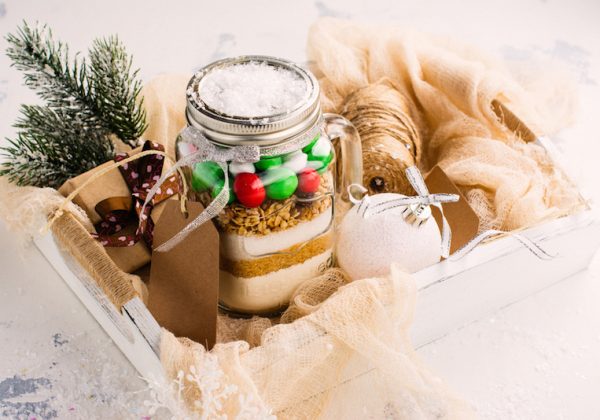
x,y
537,359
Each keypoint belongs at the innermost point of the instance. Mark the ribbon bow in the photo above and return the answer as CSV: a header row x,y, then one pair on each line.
x,y
141,176
205,151
423,197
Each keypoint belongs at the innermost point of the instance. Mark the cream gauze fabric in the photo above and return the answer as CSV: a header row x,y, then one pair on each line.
x,y
350,358
509,183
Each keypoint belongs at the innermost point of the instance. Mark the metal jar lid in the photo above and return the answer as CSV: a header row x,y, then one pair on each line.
x,y
262,130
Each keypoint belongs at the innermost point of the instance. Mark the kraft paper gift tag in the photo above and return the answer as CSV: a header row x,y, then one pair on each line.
x,y
184,282
463,221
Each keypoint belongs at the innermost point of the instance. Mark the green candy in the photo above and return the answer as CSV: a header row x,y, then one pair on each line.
x,y
205,176
267,162
308,147
280,183
218,187
320,163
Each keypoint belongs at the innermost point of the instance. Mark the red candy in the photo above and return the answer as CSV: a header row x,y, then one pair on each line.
x,y
308,181
249,189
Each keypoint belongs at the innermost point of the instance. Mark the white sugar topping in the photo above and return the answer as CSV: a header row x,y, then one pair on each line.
x,y
252,90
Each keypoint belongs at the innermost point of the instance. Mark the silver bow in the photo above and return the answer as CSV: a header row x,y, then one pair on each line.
x,y
207,151
424,198
417,182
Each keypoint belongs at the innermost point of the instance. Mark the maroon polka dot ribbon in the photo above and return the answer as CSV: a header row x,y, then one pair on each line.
x,y
140,176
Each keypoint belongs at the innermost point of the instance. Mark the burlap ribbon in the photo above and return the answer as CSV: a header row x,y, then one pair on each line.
x,y
140,176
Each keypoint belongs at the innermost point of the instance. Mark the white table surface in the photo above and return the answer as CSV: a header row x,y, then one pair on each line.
x,y
537,359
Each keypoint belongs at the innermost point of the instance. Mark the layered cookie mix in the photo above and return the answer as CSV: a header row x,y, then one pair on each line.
x,y
267,251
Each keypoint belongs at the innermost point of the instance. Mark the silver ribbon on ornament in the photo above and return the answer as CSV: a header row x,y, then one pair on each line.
x,y
208,151
533,247
425,198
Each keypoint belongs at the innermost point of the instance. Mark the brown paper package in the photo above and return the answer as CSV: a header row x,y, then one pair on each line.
x,y
111,184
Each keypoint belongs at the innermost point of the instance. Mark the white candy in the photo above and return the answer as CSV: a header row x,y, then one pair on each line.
x,y
296,161
367,246
315,164
236,168
321,148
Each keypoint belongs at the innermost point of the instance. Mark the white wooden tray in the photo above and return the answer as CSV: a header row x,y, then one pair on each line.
x,y
450,294
499,273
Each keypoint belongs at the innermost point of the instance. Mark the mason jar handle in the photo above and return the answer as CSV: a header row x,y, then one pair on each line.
x,y
345,138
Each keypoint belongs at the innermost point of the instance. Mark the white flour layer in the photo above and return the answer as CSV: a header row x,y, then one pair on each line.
x,y
269,292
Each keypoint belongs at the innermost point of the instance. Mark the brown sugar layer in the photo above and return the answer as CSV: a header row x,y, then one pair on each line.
x,y
286,258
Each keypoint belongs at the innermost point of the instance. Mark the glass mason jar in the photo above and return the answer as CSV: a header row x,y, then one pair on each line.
x,y
277,228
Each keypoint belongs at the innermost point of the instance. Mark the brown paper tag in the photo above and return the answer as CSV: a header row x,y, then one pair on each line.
x,y
528,132
461,217
184,282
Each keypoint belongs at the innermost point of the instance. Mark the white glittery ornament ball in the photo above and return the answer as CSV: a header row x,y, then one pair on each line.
x,y
369,242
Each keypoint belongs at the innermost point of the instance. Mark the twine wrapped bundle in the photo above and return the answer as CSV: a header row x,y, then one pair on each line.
x,y
390,139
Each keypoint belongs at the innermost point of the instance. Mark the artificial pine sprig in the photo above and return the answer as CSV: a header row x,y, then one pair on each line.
x,y
115,89
46,67
51,148
85,105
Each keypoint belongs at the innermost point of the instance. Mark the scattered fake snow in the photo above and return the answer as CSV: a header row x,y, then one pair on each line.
x,y
252,90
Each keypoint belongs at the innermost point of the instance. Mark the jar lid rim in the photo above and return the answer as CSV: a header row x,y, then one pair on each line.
x,y
262,130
